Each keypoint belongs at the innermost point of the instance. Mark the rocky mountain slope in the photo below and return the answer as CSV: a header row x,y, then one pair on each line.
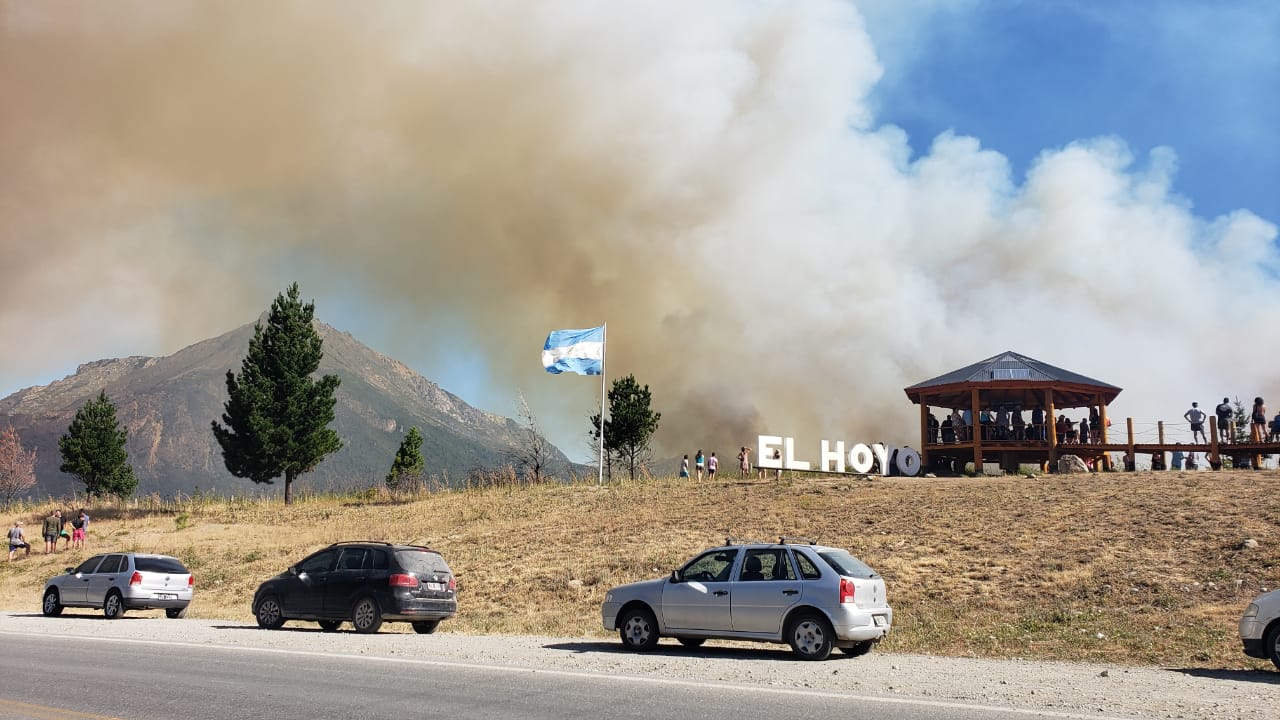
x,y
167,403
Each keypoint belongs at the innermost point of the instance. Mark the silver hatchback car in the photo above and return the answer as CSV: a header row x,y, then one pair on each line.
x,y
810,596
116,582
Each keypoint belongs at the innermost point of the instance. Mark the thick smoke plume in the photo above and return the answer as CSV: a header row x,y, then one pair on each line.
x,y
707,177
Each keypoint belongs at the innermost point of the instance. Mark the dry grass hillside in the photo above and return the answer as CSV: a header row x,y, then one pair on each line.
x,y
1128,568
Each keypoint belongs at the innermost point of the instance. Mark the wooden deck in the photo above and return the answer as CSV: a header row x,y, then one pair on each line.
x,y
1011,453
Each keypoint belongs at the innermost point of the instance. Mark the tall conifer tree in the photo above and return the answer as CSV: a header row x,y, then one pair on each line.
x,y
93,450
631,423
408,461
277,415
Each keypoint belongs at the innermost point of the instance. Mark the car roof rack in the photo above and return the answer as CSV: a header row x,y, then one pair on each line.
x,y
731,540
361,542
792,540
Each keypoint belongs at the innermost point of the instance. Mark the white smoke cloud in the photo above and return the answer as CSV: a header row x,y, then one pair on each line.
x,y
709,178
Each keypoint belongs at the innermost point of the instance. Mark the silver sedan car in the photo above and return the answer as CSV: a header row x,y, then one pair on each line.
x,y
812,597
115,582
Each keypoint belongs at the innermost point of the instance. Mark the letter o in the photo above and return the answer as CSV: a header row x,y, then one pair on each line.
x,y
908,462
861,458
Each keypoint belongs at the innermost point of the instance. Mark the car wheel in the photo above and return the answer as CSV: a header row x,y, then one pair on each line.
x,y
330,625
692,642
113,606
810,636
365,615
175,613
1273,645
858,649
639,629
269,613
51,606
426,627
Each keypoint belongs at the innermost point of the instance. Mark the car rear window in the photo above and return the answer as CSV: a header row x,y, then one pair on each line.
x,y
847,565
160,565
422,562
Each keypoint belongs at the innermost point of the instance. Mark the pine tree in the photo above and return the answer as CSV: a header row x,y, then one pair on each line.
x,y
277,415
631,423
408,462
93,450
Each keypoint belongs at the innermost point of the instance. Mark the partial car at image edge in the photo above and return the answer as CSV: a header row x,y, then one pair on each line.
x,y
1260,628
812,597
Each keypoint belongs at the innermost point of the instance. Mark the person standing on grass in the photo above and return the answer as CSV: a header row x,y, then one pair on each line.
x,y
18,540
1196,417
700,463
52,527
744,461
79,529
777,455
712,465
684,467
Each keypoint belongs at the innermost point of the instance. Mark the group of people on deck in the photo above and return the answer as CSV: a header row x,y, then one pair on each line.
x,y
1260,428
1006,423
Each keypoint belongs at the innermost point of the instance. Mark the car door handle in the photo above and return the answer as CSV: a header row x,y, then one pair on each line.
x,y
790,592
718,593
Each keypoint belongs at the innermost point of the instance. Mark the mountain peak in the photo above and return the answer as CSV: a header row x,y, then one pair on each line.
x,y
167,404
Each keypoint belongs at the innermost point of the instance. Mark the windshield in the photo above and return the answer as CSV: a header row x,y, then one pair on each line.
x,y
847,565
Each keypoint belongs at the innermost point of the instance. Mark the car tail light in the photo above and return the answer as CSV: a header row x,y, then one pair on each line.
x,y
136,579
846,590
191,581
453,584
402,580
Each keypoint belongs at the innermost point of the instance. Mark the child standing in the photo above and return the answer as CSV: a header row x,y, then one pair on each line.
x,y
79,529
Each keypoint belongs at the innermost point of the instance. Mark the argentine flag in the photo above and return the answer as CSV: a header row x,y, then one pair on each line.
x,y
575,351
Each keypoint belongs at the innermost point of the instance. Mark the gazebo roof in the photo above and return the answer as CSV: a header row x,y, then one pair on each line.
x,y
1011,378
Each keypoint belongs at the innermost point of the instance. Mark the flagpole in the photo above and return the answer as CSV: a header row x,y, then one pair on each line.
x,y
604,348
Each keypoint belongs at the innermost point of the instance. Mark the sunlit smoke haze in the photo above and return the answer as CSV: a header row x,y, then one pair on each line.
x,y
708,178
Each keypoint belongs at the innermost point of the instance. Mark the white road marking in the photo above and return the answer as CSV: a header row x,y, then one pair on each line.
x,y
943,704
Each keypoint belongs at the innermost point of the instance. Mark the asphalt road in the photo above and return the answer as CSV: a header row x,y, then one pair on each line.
x,y
144,666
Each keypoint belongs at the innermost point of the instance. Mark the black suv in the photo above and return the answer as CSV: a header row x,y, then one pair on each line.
x,y
364,582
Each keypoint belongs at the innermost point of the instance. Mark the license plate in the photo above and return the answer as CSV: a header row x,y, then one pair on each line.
x,y
435,586
880,620
166,596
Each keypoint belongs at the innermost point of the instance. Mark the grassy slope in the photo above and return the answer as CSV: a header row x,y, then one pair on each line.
x,y
1127,568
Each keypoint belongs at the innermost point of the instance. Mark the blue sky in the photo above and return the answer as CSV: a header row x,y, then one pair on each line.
x,y
1202,78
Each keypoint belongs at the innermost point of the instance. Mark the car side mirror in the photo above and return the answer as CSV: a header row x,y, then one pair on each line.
x,y
675,576
70,571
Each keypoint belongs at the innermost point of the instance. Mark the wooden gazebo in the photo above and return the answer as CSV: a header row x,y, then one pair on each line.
x,y
1008,385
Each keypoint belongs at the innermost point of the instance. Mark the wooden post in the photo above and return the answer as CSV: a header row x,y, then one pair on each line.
x,y
1132,458
1213,438
1102,418
1051,429
1160,430
1103,414
976,428
924,434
